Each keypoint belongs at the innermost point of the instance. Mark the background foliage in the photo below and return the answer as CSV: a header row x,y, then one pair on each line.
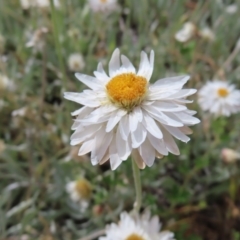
x,y
195,194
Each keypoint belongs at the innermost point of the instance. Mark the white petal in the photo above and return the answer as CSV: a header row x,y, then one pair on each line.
x,y
151,126
124,127
138,136
133,121
171,82
145,69
123,146
182,93
101,77
86,147
138,159
114,63
170,143
82,135
147,153
186,130
177,133
187,119
158,144
169,106
70,186
82,99
127,64
114,119
89,81
105,157
161,117
115,160
138,112
82,112
152,59
102,142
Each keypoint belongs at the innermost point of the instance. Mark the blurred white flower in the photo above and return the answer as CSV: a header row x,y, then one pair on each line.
x,y
21,112
186,33
230,155
105,6
6,83
76,62
219,98
231,9
80,192
37,41
207,33
26,4
137,228
123,114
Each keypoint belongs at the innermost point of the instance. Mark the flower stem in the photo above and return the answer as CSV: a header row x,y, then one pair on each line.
x,y
138,186
55,22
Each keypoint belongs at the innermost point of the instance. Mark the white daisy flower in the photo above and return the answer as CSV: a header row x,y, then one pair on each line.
x,y
137,228
123,114
106,6
80,192
186,33
76,62
219,98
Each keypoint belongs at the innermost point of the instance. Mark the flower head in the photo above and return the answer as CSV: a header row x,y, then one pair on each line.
x,y
137,228
106,6
124,114
186,33
80,191
219,98
76,62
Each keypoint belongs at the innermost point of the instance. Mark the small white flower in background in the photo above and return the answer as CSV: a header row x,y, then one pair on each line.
x,y
207,33
80,192
46,3
229,155
186,33
26,4
219,98
37,40
231,9
106,6
76,62
137,228
21,112
124,114
6,83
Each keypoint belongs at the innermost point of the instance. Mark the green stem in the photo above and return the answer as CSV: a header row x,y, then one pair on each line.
x,y
138,186
57,43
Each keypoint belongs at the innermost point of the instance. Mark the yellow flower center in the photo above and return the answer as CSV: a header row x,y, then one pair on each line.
x,y
127,90
134,237
83,188
223,92
103,1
